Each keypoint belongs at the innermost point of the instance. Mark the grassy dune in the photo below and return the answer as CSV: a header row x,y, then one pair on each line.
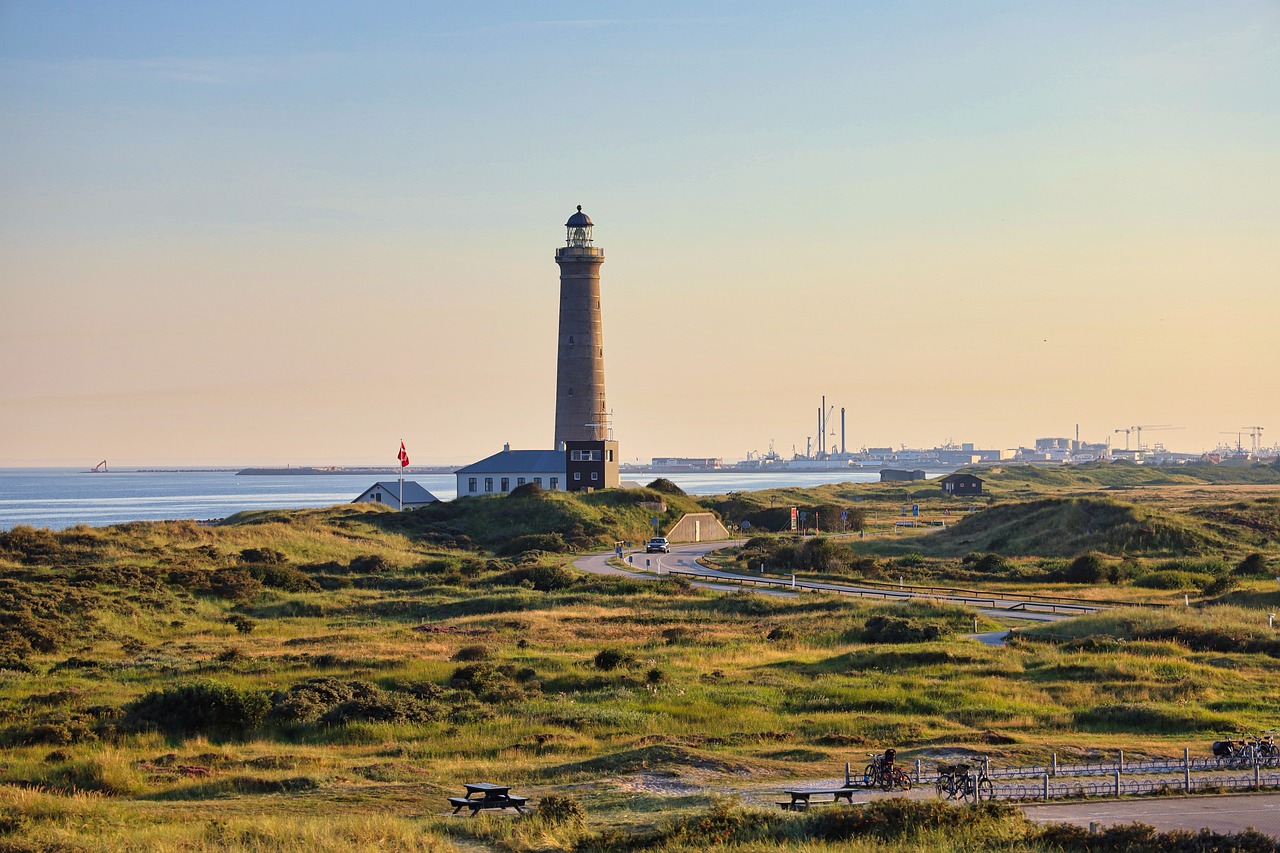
x,y
323,679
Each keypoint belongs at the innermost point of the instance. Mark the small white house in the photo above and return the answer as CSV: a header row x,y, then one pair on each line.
x,y
389,493
510,469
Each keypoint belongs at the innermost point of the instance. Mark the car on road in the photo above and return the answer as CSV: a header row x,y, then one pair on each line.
x,y
658,544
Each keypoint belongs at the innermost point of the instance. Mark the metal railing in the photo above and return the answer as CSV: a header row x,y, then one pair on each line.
x,y
1123,777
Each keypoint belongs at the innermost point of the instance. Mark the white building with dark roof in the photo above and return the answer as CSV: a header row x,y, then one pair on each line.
x,y
389,493
509,469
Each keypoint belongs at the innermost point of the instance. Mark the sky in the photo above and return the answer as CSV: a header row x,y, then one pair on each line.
x,y
300,232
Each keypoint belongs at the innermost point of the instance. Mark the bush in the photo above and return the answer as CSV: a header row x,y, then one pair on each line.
x,y
264,556
469,653
207,708
555,810
607,660
893,629
528,490
1087,568
370,564
1252,566
550,542
662,484
1174,580
1220,585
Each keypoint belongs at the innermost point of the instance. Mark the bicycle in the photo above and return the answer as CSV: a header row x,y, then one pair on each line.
x,y
882,773
956,781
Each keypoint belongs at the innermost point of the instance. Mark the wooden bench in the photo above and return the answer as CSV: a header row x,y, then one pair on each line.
x,y
800,799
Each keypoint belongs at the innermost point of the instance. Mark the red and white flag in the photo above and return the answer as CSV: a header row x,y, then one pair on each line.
x,y
403,456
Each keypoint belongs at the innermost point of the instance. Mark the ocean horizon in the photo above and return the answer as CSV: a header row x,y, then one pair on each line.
x,y
58,498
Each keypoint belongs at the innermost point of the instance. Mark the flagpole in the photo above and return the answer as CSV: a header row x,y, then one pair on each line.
x,y
401,508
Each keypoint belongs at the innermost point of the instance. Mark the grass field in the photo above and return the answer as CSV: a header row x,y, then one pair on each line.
x,y
323,679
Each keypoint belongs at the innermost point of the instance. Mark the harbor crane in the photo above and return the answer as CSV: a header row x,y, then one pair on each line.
x,y
1138,428
1255,435
1239,439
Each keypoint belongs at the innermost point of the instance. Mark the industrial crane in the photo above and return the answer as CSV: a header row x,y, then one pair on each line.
x,y
1255,435
1139,428
100,468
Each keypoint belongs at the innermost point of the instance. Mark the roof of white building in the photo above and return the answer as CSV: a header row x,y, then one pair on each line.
x,y
414,493
518,462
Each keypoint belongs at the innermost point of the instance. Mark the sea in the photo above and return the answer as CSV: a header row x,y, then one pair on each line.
x,y
58,498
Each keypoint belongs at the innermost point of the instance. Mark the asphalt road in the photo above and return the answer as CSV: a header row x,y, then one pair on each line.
x,y
1234,813
684,558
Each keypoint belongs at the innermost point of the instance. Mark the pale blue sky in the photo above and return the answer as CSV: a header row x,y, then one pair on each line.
x,y
302,231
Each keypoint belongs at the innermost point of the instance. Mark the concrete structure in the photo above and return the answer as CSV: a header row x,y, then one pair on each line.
x,y
510,469
581,414
389,493
894,475
591,465
961,485
697,527
686,462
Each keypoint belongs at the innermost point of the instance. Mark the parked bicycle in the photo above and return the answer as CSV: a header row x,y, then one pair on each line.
x,y
1234,751
882,773
957,781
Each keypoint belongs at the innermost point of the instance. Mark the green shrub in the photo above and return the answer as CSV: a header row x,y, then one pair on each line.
x,y
894,629
555,810
1220,585
467,653
1252,566
552,543
607,660
264,556
662,484
528,490
370,564
1174,580
208,708
1086,569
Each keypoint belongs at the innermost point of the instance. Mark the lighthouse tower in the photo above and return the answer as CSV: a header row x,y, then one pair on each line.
x,y
580,408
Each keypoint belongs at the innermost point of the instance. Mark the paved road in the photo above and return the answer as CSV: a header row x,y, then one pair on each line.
x,y
684,558
1222,813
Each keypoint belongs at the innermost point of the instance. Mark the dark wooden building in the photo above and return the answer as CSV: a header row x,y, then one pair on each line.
x,y
961,485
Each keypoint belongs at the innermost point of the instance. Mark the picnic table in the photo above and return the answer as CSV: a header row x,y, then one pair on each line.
x,y
800,798
486,795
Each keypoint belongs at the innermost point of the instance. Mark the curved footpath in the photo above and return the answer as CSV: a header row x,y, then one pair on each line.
x,y
684,559
1221,813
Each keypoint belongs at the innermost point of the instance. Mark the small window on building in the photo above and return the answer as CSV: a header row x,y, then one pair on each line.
x,y
488,484
555,483
608,455
506,484
471,484
519,481
570,392
377,496
577,475
538,480
571,340
595,475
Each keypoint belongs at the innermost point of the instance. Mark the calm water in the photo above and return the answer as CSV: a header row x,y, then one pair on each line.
x,y
60,497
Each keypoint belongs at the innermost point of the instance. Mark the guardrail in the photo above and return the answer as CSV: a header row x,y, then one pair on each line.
x,y
1023,604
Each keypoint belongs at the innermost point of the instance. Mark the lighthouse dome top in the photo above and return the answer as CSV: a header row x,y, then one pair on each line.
x,y
579,220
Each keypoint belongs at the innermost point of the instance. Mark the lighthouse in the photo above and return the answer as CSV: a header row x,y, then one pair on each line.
x,y
580,407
